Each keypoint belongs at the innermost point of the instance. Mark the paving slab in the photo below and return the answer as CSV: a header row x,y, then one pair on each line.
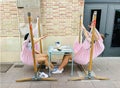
x,y
102,66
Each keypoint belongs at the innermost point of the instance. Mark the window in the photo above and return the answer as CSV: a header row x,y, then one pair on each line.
x,y
116,30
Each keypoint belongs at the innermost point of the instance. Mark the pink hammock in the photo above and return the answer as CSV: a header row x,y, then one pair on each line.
x,y
26,54
82,51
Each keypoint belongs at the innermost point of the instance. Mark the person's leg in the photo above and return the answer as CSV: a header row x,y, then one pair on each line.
x,y
86,33
47,64
65,61
63,64
45,60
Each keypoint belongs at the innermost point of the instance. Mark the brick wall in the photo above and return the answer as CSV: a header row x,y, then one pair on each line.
x,y
8,18
58,17
61,17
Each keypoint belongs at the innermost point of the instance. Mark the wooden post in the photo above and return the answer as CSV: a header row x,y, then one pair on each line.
x,y
92,41
80,30
32,41
39,32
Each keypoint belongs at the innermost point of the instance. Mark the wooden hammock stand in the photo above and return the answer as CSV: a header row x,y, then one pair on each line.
x,y
88,74
36,75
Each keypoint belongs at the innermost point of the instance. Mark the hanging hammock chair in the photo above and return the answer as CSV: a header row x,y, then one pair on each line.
x,y
26,54
82,50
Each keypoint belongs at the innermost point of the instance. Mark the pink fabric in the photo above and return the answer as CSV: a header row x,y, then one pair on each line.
x,y
26,54
82,51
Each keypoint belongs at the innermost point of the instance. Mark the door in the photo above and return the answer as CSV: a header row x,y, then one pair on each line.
x,y
108,23
112,40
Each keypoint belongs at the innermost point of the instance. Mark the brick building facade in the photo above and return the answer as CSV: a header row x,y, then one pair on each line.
x,y
59,19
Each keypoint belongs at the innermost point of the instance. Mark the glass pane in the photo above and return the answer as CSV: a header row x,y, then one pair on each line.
x,y
98,17
116,30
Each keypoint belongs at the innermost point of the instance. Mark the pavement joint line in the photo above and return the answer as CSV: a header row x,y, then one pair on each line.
x,y
90,80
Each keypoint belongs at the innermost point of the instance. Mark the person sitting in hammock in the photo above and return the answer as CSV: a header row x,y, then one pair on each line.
x,y
82,50
26,53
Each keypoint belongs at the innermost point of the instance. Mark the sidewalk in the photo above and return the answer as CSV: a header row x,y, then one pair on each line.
x,y
102,66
